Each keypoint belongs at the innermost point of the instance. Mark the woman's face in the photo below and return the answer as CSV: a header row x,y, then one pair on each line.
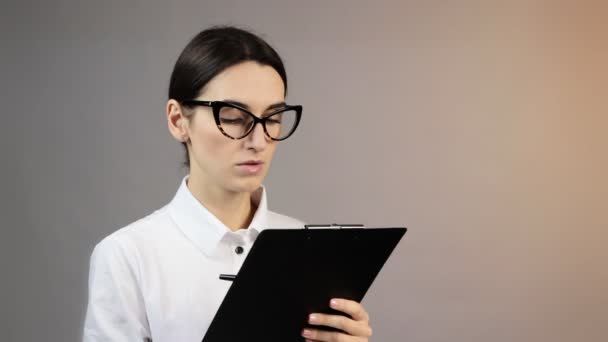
x,y
234,165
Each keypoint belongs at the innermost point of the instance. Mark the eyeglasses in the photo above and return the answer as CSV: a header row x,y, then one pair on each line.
x,y
236,122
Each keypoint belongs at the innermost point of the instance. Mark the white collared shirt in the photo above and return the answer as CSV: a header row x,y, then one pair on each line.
x,y
158,278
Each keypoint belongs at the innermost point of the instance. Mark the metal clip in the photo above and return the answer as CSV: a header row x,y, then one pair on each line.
x,y
334,225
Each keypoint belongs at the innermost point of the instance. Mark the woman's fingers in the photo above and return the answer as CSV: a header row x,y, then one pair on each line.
x,y
349,326
350,307
353,329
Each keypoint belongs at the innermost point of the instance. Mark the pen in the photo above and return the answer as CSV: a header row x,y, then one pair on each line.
x,y
229,277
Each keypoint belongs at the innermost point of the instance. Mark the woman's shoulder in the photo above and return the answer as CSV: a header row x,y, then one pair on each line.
x,y
135,232
276,220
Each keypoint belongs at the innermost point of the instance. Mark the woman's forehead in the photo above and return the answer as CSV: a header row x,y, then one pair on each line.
x,y
250,83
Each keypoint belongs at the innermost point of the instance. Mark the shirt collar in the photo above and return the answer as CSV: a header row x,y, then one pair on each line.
x,y
203,228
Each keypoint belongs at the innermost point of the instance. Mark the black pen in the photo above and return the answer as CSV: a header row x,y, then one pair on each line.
x,y
229,277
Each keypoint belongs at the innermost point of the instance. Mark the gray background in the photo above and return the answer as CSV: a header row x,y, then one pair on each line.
x,y
479,125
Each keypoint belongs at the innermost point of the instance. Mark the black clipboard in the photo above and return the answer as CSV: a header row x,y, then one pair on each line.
x,y
290,273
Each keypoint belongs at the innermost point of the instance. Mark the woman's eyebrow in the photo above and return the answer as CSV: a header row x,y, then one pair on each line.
x,y
243,105
277,105
237,103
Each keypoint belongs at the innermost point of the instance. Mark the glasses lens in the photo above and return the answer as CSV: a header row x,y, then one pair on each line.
x,y
281,125
235,122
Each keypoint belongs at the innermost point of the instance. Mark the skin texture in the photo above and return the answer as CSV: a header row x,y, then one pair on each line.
x,y
225,189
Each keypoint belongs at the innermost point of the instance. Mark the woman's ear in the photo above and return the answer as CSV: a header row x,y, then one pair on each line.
x,y
177,121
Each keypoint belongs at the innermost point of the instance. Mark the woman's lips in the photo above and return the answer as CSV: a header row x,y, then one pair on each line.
x,y
251,167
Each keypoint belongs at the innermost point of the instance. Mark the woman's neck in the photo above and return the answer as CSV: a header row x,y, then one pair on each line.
x,y
233,209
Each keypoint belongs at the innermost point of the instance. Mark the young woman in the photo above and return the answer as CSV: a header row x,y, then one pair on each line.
x,y
157,278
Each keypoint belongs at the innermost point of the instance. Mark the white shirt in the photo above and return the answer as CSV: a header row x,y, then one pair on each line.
x,y
158,278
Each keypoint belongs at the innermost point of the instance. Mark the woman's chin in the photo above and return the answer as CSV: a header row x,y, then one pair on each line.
x,y
250,184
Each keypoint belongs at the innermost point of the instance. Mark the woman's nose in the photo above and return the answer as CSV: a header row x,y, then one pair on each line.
x,y
257,139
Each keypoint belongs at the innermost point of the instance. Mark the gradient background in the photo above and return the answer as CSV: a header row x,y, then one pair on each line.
x,y
480,125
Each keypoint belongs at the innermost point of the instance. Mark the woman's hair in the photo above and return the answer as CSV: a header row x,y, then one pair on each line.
x,y
212,51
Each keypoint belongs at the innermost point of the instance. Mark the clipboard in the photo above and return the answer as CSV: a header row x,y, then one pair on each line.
x,y
291,273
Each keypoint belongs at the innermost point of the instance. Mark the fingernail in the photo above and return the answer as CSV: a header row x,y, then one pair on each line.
x,y
334,304
313,319
306,333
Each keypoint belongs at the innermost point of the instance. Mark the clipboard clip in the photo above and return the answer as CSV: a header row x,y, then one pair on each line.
x,y
334,225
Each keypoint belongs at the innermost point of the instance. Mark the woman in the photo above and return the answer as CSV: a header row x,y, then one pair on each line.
x,y
156,279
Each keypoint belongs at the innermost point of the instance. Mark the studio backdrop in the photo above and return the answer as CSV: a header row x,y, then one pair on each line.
x,y
479,125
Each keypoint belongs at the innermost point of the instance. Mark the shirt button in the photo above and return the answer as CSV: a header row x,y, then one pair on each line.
x,y
239,250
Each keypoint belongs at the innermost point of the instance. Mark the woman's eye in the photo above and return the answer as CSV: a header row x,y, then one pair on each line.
x,y
237,121
275,121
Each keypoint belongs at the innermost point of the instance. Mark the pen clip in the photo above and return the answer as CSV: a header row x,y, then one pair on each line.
x,y
228,277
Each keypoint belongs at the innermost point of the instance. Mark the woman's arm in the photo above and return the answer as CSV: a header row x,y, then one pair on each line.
x,y
115,310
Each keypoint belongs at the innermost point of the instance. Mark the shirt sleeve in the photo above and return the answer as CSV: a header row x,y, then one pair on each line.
x,y
115,310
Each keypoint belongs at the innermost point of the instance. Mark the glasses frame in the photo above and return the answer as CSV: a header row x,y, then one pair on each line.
x,y
217,106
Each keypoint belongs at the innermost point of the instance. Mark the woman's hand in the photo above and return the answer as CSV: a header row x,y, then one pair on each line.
x,y
355,329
